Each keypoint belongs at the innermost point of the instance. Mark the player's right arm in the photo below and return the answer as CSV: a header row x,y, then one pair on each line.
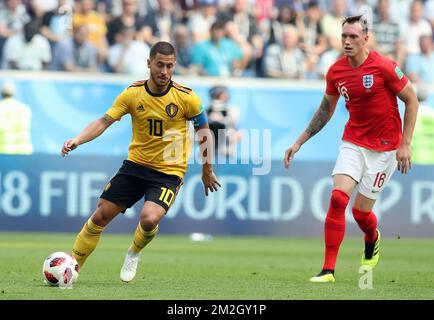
x,y
322,115
93,130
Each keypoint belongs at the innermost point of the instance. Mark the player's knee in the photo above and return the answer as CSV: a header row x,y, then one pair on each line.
x,y
339,199
149,222
103,214
100,218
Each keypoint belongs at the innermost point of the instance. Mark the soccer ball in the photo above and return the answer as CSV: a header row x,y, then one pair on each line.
x,y
60,269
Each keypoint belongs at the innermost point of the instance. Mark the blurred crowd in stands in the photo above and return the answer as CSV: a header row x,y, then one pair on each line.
x,y
287,39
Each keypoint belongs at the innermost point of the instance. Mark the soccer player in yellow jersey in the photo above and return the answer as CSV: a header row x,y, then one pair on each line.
x,y
160,110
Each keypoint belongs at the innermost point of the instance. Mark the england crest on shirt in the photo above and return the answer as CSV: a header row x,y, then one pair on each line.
x,y
368,81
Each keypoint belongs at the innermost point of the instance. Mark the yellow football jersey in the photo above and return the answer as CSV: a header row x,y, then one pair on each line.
x,y
161,135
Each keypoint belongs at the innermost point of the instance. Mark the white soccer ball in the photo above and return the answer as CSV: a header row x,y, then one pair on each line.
x,y
60,269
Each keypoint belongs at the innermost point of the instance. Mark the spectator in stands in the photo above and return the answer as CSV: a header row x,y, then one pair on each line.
x,y
188,8
223,121
113,8
264,12
75,53
232,32
286,16
313,41
36,8
387,37
245,25
96,26
56,24
104,8
218,56
129,18
201,20
13,17
429,12
400,10
415,28
362,7
329,57
107,8
420,66
28,50
423,135
15,123
184,52
331,23
128,55
159,23
287,60
41,6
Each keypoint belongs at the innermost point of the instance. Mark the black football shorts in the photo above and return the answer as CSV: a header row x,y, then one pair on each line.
x,y
134,181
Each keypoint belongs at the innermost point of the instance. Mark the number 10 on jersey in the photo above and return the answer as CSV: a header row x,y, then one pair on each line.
x,y
155,127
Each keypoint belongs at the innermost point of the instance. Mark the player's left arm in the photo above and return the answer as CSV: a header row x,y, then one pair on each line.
x,y
196,113
403,155
206,147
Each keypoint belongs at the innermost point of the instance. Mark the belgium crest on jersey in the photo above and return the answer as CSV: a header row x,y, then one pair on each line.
x,y
172,110
368,81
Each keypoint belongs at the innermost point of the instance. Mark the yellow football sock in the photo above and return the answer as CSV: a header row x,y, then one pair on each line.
x,y
142,238
86,241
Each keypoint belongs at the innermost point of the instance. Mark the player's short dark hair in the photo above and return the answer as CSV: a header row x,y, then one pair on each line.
x,y
162,47
354,19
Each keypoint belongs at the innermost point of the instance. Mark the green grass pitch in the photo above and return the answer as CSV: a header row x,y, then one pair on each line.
x,y
174,267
